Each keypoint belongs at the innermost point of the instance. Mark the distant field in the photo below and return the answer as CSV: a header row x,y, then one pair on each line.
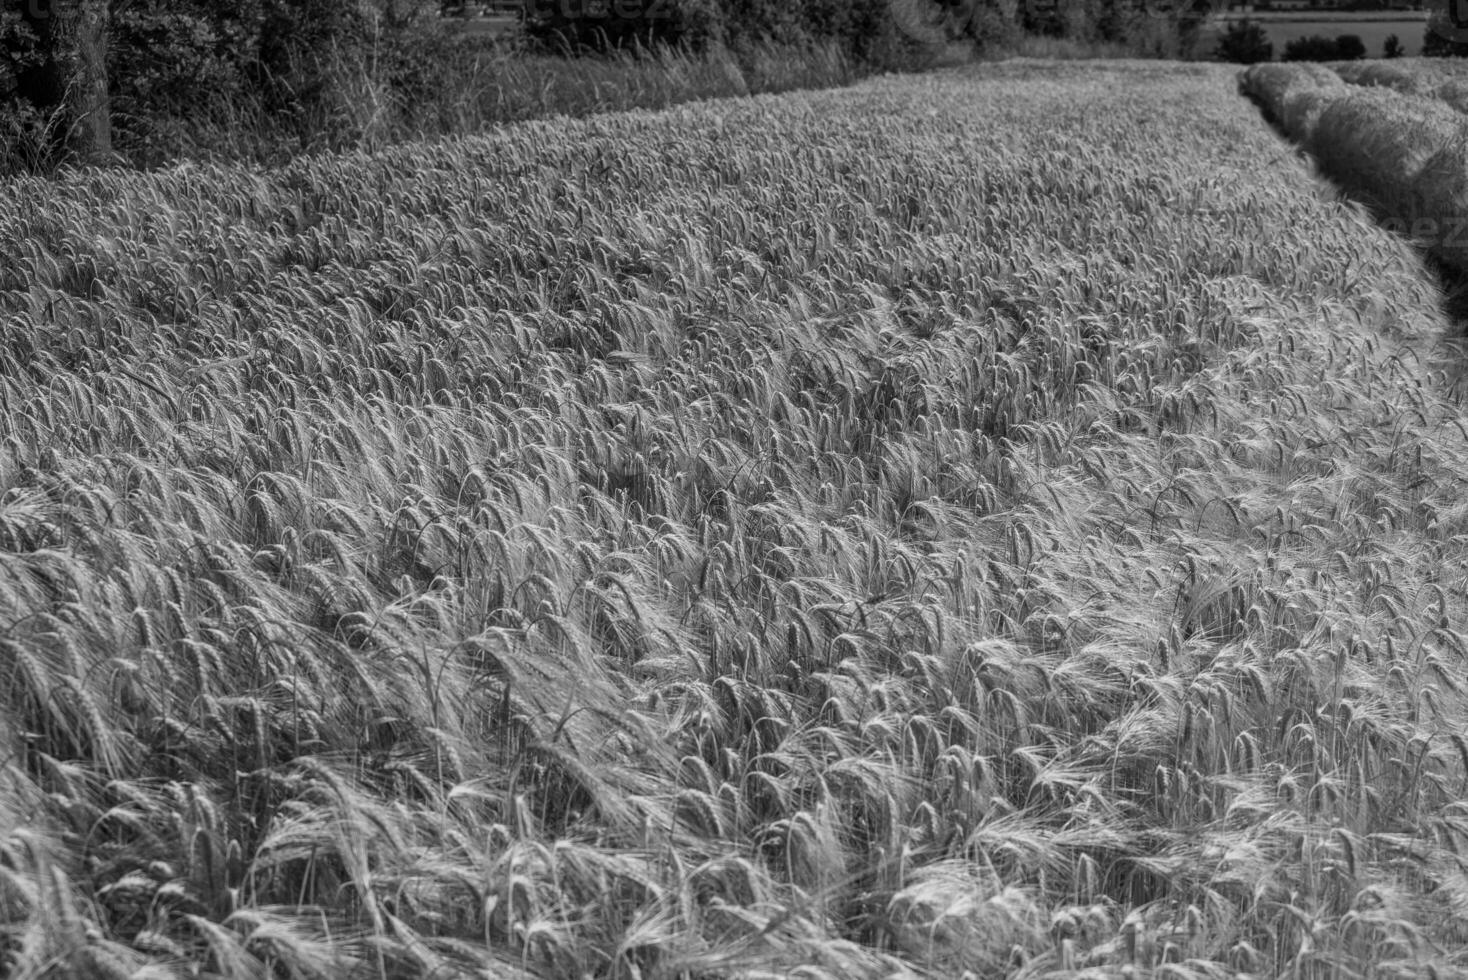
x,y
1373,29
1000,523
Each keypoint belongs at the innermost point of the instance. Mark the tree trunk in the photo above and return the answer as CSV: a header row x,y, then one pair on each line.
x,y
72,80
92,137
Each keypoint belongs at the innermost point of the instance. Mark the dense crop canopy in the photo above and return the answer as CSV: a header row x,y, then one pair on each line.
x,y
1005,521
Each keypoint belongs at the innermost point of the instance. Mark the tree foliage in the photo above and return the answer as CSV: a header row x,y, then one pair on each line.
x,y
278,57
1244,42
1442,39
579,25
1349,47
865,29
175,68
1345,47
53,88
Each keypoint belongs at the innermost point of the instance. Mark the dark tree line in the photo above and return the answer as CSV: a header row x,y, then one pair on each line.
x,y
80,78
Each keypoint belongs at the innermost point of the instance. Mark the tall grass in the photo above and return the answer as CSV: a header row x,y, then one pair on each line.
x,y
1001,521
471,87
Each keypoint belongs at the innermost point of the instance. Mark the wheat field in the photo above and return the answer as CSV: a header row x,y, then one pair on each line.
x,y
1006,522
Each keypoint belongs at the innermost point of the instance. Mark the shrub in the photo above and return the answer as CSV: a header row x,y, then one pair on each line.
x,y
1244,42
868,30
1097,28
879,32
939,21
1313,48
283,60
1044,21
749,22
1100,20
22,126
418,62
989,28
165,52
1440,39
162,54
602,25
20,45
1349,47
1345,47
1393,47
837,19
296,40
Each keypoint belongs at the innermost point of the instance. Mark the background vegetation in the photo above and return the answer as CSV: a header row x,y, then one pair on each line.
x,y
1244,42
267,79
1344,47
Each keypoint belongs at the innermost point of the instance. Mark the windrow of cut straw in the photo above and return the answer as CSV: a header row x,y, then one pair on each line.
x,y
1390,133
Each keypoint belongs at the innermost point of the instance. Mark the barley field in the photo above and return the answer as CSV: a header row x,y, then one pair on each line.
x,y
1007,522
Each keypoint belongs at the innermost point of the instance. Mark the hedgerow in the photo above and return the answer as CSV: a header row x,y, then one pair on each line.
x,y
575,26
872,31
265,80
886,33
